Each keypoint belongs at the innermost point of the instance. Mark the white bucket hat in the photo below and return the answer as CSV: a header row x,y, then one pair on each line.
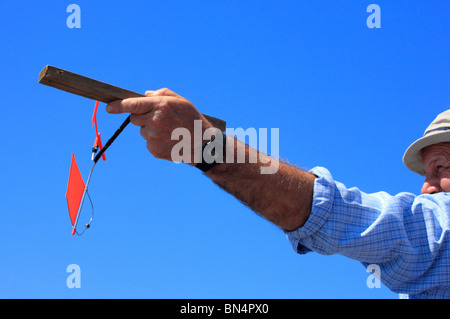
x,y
437,132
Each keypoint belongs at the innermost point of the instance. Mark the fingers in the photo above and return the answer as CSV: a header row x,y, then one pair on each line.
x,y
141,119
158,114
147,132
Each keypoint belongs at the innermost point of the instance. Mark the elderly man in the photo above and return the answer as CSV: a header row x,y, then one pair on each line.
x,y
407,236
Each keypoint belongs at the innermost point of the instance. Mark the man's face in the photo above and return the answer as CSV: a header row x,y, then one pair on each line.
x,y
436,162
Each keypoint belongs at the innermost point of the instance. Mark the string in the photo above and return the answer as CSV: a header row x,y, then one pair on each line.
x,y
96,158
88,225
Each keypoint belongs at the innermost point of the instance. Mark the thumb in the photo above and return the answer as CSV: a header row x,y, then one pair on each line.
x,y
114,107
134,105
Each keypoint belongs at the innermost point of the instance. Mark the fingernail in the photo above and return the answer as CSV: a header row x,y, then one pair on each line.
x,y
109,108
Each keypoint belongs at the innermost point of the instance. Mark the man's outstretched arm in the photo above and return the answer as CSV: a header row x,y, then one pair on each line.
x,y
284,197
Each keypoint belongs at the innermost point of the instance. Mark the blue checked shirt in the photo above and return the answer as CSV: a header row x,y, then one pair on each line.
x,y
407,236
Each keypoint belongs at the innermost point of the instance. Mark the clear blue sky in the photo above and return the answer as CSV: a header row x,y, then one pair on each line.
x,y
343,96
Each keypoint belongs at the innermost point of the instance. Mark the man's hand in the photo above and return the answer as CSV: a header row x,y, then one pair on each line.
x,y
158,114
284,198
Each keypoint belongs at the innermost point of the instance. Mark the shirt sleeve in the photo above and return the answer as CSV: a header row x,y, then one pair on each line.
x,y
407,236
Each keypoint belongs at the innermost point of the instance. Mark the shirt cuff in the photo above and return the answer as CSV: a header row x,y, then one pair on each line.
x,y
323,197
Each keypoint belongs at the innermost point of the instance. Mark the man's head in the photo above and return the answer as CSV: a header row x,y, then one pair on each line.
x,y
429,156
436,162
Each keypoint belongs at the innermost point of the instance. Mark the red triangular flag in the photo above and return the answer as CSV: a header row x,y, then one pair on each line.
x,y
75,189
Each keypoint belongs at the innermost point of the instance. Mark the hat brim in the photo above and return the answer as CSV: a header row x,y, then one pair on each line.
x,y
413,155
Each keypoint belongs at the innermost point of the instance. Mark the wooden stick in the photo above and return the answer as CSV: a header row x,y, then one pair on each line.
x,y
96,90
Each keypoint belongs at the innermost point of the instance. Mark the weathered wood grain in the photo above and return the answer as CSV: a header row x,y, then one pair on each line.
x,y
95,90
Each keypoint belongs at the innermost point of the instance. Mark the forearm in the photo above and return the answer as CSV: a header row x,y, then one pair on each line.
x,y
284,197
277,191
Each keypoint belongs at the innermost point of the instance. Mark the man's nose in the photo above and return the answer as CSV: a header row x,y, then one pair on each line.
x,y
430,187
